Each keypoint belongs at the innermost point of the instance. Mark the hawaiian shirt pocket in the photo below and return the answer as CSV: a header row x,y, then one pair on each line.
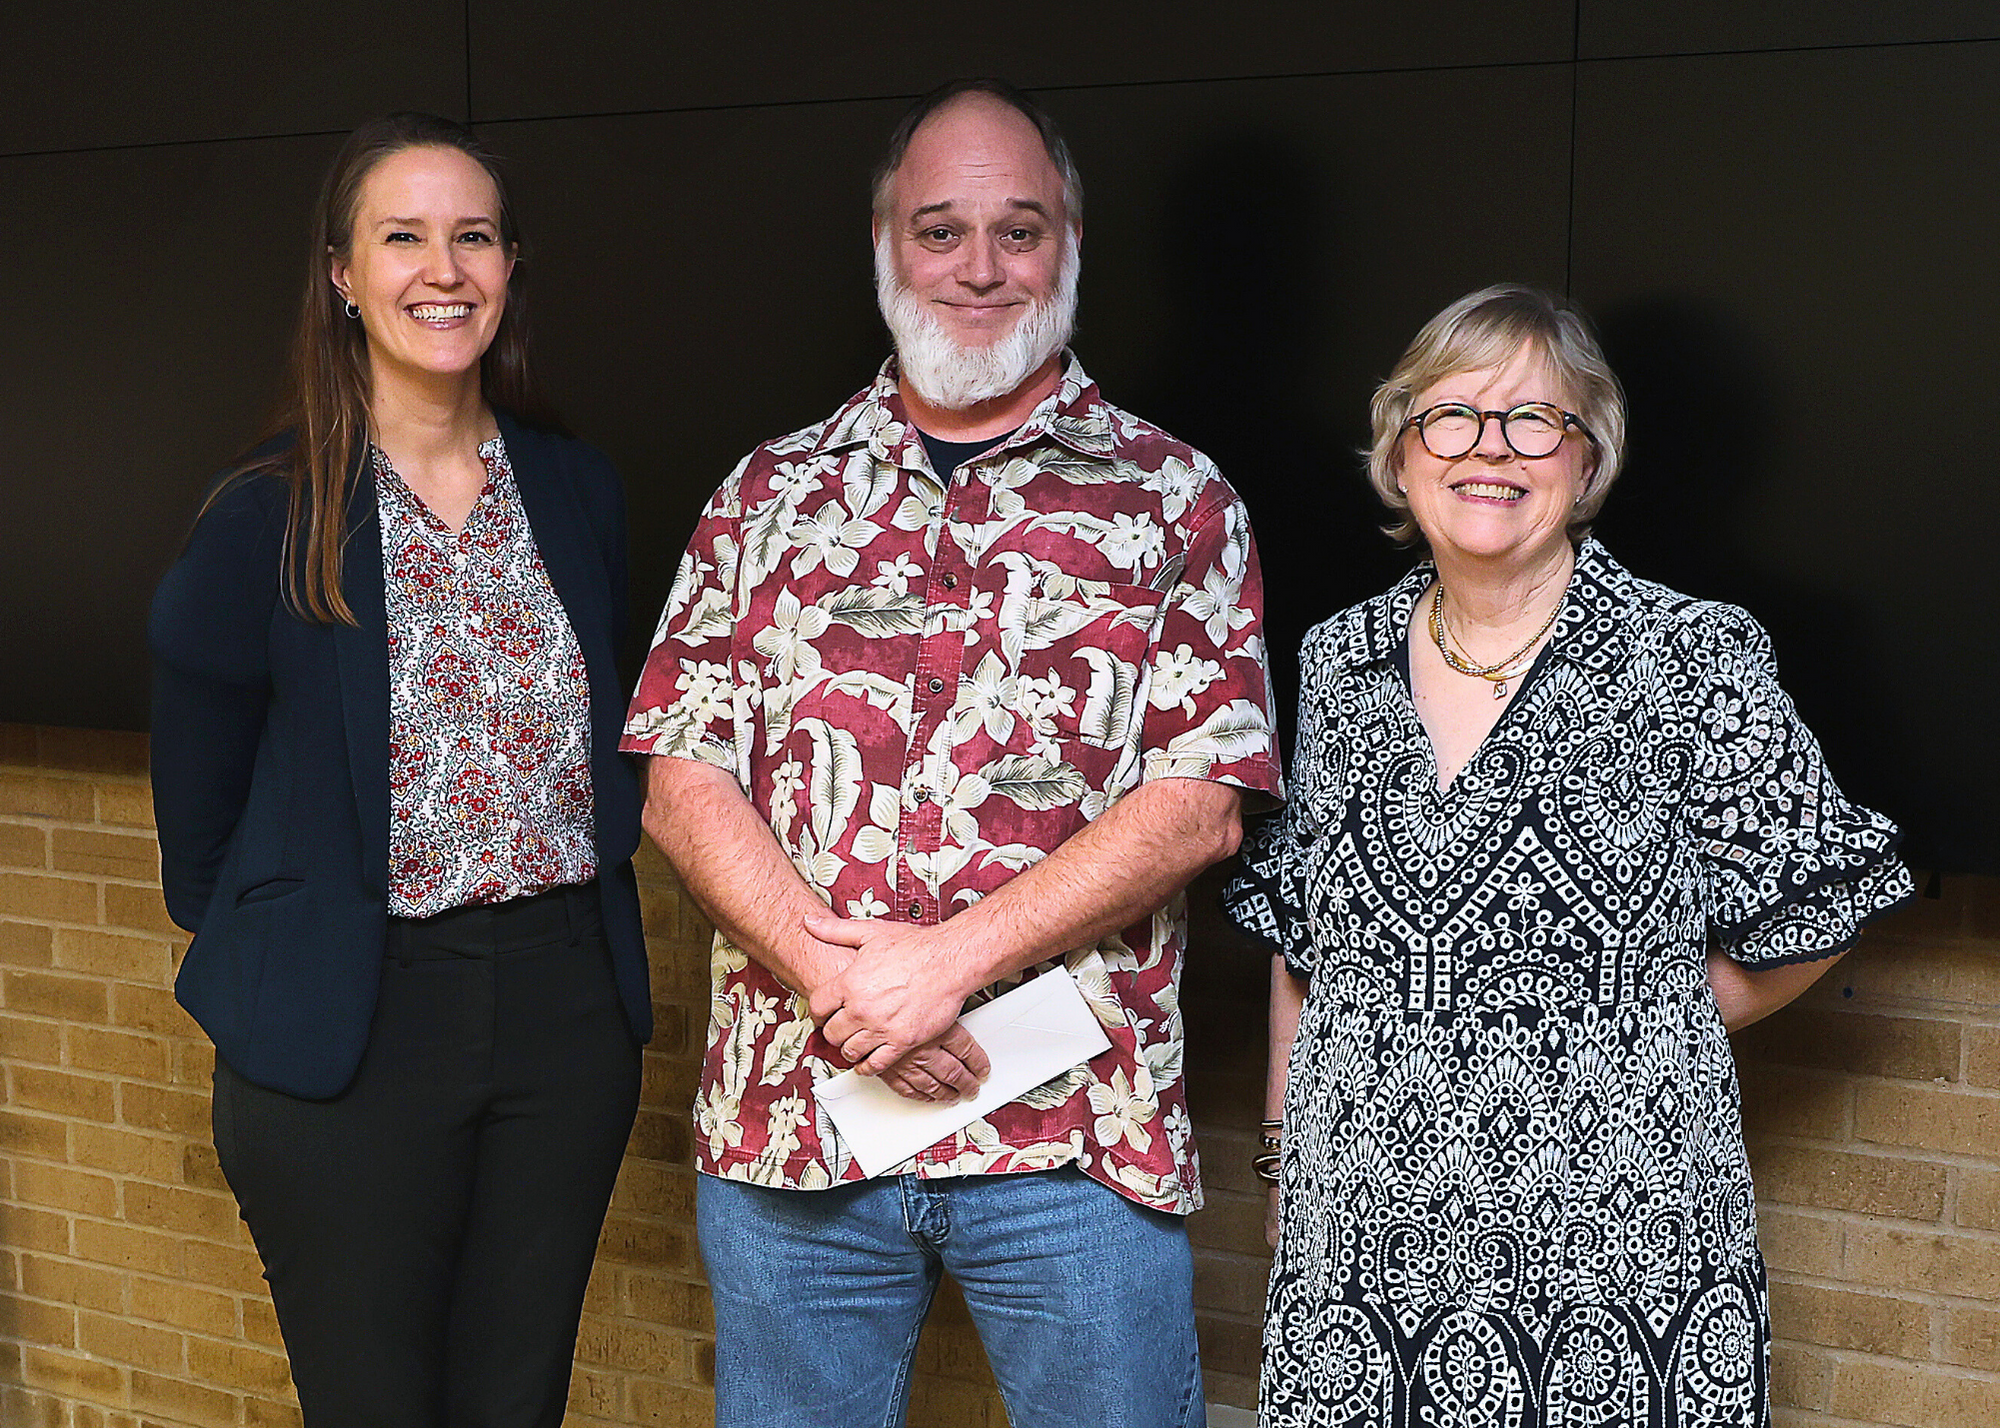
x,y
1082,663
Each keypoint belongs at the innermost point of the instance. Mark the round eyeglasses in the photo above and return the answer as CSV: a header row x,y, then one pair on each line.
x,y
1450,430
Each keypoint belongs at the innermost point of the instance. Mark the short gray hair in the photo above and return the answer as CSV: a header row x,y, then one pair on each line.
x,y
1007,94
1485,329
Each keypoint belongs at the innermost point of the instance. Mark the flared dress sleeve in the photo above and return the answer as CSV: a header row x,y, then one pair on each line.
x,y
1789,869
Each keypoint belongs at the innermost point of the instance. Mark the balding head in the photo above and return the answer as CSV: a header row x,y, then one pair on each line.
x,y
978,93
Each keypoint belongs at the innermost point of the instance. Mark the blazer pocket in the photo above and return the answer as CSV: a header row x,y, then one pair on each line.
x,y
270,890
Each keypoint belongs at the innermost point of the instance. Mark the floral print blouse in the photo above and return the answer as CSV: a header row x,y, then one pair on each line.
x,y
489,765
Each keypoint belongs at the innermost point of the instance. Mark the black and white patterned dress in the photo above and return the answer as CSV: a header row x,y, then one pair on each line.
x,y
1514,1184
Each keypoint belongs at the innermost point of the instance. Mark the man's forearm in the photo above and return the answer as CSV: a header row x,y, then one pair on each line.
x,y
1121,867
732,865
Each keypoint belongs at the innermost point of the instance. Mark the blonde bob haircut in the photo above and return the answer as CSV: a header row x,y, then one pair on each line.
x,y
1486,329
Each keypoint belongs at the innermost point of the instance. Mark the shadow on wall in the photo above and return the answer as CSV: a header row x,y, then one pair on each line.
x,y
1705,414
1250,290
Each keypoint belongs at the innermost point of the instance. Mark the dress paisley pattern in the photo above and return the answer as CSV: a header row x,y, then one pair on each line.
x,y
1514,1185
489,767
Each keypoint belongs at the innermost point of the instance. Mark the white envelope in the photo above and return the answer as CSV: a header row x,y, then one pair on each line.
x,y
1032,1034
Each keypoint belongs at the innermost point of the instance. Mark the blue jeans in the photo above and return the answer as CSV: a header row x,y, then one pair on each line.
x,y
1084,1300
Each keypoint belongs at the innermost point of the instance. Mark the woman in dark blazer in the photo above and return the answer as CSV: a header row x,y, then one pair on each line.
x,y
392,812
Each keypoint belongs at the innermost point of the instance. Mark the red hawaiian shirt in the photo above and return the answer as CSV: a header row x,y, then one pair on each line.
x,y
489,737
925,687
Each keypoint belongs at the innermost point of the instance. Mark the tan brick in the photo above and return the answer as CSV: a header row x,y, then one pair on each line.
x,y
1229,1345
673,1405
260,1323
96,751
32,1040
1916,1048
1979,1199
187,1212
1801,1377
596,1394
674,1303
1229,1283
232,1266
270,1413
1929,1117
116,1053
126,804
141,909
641,1242
174,1398
661,1136
126,1152
67,1282
1982,1055
1972,1337
184,1306
44,1088
126,1341
121,1245
64,998
55,899
156,1108
67,1373
26,944
24,1134
1846,1319
201,1170
104,854
1922,1260
646,1187
238,1366
948,1403
39,796
23,1406
34,1322
63,1187
632,1348
24,846
149,1009
108,954
36,1231
194,1064
1232,1224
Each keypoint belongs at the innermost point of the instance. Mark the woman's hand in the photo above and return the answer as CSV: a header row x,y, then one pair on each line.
x,y
1271,1218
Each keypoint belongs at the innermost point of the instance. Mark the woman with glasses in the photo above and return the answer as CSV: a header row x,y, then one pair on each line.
x,y
1555,832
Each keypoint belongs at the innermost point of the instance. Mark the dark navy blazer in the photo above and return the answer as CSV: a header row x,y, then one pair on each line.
x,y
271,764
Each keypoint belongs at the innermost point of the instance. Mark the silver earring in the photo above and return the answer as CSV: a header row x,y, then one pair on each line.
x,y
1401,489
352,310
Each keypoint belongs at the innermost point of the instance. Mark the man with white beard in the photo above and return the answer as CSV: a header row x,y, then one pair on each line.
x,y
957,687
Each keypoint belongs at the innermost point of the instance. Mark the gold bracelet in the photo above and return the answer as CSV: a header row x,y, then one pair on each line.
x,y
1266,1166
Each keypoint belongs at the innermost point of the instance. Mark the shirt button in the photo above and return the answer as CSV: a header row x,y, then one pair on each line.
x,y
922,795
916,909
936,686
951,582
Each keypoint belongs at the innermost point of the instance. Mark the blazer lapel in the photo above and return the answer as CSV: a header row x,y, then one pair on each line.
x,y
562,534
362,651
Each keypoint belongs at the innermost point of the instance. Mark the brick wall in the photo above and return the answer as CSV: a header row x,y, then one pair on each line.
x,y
130,1295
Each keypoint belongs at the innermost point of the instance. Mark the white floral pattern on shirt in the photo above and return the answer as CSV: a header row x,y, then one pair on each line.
x,y
927,686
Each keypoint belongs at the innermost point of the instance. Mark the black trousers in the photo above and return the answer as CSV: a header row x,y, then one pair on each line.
x,y
428,1233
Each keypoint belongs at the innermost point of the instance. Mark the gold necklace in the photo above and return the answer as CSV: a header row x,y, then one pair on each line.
x,y
1501,671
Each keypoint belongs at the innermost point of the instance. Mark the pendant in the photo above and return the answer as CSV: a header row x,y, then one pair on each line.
x,y
1499,689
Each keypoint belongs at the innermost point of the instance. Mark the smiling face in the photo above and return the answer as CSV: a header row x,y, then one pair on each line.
x,y
426,264
1493,503
975,225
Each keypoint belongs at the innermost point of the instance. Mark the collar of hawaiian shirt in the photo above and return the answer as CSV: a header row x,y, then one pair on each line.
x,y
1591,633
1075,414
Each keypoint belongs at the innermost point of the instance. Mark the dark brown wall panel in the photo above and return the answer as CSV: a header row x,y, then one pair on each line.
x,y
139,72
138,345
1612,28
1792,258
605,56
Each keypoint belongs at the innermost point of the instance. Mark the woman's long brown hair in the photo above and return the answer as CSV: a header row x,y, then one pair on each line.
x,y
323,405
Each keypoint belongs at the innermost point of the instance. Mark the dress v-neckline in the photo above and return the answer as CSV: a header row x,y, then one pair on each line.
x,y
1528,679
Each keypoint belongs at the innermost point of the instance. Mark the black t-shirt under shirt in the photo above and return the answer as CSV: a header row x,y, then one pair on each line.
x,y
947,456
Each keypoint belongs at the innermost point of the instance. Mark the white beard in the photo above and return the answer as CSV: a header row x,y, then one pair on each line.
x,y
953,377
